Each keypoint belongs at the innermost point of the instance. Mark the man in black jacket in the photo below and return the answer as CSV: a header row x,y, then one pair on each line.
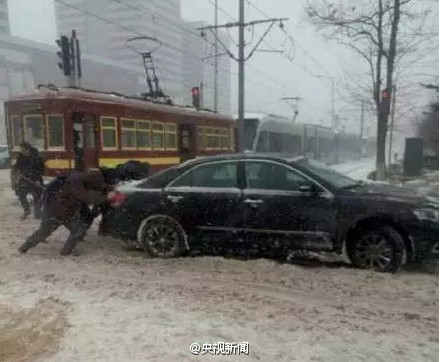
x,y
30,169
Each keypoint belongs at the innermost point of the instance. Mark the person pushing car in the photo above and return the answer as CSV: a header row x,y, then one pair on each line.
x,y
65,206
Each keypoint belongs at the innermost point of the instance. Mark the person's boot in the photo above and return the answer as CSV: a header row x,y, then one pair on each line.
x,y
24,248
26,213
69,246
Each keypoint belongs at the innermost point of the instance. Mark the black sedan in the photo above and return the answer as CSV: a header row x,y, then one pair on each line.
x,y
266,203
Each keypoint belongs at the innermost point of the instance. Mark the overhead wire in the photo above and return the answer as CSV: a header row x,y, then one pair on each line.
x,y
233,18
133,31
291,40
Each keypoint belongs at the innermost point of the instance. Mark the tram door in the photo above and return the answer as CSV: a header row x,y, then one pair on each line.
x,y
84,142
187,142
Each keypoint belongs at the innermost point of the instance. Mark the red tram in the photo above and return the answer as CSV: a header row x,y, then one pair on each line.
x,y
71,126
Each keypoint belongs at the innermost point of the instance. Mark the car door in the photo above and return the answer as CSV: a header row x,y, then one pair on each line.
x,y
207,201
285,208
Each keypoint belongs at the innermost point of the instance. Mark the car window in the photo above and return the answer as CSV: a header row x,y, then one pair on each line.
x,y
161,179
334,178
272,176
212,175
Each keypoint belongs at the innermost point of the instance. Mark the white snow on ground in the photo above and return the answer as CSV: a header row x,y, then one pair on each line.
x,y
357,169
109,304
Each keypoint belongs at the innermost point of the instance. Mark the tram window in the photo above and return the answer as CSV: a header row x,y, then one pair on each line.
x,y
108,132
232,139
170,137
34,130
158,136
143,134
210,138
17,130
55,131
262,142
217,140
224,139
201,133
90,135
128,133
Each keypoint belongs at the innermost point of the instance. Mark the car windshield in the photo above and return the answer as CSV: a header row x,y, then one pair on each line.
x,y
334,178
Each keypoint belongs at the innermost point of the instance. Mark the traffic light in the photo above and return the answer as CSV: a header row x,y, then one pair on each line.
x,y
386,97
195,92
64,55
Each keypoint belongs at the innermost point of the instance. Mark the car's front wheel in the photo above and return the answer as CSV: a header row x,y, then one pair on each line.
x,y
162,236
379,247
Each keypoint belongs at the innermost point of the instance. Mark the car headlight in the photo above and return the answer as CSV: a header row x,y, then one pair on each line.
x,y
426,214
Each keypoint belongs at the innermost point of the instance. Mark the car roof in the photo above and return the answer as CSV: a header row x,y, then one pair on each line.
x,y
243,156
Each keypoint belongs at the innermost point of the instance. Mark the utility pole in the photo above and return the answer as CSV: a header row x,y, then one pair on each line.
x,y
216,58
241,59
390,146
241,45
202,96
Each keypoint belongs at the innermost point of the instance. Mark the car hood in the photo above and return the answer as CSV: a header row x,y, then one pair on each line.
x,y
394,193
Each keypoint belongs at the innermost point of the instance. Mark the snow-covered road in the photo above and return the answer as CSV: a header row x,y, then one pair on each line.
x,y
110,304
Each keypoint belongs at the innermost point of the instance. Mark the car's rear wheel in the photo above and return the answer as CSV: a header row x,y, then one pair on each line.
x,y
379,247
162,236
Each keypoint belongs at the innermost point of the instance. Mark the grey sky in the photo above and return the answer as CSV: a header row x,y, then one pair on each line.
x,y
269,76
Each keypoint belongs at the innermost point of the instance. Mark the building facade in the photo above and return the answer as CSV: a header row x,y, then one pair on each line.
x,y
4,17
25,64
104,26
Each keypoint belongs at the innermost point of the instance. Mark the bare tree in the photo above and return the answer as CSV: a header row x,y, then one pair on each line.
x,y
372,29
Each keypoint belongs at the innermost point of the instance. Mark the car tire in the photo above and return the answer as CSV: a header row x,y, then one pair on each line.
x,y
162,236
380,247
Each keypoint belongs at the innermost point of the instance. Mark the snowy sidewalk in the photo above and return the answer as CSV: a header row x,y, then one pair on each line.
x,y
357,169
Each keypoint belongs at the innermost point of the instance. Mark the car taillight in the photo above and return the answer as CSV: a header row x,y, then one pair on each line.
x,y
116,198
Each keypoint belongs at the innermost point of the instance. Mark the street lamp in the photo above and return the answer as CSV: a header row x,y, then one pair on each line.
x,y
333,95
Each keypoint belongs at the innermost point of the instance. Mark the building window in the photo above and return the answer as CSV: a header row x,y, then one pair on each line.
x,y
17,130
33,130
109,133
128,133
143,134
55,131
171,137
158,136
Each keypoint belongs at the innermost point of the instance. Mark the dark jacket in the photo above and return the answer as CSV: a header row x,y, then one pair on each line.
x,y
31,166
78,188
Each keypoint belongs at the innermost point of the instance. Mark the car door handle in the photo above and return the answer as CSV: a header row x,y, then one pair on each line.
x,y
174,199
253,202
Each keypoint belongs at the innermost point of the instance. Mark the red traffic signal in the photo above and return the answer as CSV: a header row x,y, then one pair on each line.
x,y
386,94
195,91
64,55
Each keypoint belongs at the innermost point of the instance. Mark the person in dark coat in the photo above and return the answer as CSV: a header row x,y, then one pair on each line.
x,y
29,169
128,171
67,207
